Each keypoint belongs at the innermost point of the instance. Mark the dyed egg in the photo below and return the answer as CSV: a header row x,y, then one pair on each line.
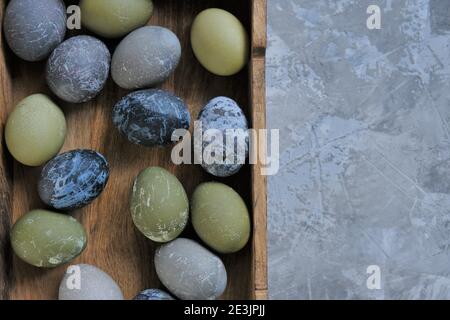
x,y
220,118
220,217
47,239
190,271
34,28
159,205
145,58
35,130
86,282
220,42
78,68
150,117
115,18
73,179
153,294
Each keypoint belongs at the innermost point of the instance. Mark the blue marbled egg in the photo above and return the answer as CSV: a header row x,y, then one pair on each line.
x,y
73,179
153,294
222,117
149,117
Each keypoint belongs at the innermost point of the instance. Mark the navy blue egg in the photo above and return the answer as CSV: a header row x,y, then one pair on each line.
x,y
150,117
73,179
153,294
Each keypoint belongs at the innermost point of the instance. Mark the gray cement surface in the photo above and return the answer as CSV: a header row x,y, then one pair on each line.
x,y
364,119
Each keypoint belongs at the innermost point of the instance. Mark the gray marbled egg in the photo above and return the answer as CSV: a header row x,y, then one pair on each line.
x,y
73,179
86,282
34,28
153,294
145,57
190,271
149,117
78,69
220,118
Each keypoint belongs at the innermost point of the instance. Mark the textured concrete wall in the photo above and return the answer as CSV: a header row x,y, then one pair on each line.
x,y
365,149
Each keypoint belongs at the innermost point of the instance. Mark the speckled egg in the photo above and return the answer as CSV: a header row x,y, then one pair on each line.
x,y
190,271
153,294
34,28
86,282
78,68
150,117
47,239
35,130
115,18
220,217
220,42
73,179
220,118
159,205
145,58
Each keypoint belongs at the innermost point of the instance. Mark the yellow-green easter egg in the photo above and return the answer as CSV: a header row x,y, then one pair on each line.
x,y
220,217
35,130
115,18
220,42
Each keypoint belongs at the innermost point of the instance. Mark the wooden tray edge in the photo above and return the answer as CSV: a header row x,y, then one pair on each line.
x,y
259,182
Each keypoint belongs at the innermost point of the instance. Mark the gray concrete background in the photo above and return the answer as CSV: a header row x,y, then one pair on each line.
x,y
365,149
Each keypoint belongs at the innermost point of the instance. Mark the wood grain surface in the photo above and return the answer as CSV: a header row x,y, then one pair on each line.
x,y
114,244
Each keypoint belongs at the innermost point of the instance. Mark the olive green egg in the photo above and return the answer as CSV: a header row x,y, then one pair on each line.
x,y
35,130
47,239
220,42
115,18
159,205
220,217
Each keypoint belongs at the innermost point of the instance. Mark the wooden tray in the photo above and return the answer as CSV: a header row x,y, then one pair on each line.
x,y
114,244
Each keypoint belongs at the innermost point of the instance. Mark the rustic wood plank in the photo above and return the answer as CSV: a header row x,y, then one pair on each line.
x,y
259,181
114,244
5,175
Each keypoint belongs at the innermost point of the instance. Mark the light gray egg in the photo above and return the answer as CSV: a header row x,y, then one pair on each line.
x,y
190,271
86,282
225,141
34,28
145,58
78,69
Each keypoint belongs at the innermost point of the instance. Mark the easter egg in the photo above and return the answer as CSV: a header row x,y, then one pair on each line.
x,y
73,179
146,57
47,239
190,271
115,18
159,205
220,42
34,28
35,130
150,117
78,68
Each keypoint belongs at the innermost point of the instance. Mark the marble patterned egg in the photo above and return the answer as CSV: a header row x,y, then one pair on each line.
x,y
73,179
78,68
190,271
87,282
220,217
220,118
145,58
153,294
159,205
115,18
34,28
47,239
150,117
